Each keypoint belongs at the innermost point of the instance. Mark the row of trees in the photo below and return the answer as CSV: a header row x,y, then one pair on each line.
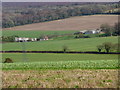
x,y
111,30
15,16
108,47
8,38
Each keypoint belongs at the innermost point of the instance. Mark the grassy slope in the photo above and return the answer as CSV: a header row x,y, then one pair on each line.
x,y
33,33
88,44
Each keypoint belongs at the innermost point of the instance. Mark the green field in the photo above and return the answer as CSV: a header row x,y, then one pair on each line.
x,y
60,61
88,64
86,44
47,57
33,33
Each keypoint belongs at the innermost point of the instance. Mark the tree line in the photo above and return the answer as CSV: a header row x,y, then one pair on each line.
x,y
111,30
15,16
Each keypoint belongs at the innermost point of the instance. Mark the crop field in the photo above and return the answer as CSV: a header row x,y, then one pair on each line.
x,y
60,71
77,78
86,44
47,57
73,23
60,61
45,70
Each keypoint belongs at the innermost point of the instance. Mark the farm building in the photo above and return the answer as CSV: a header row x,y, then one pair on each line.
x,y
23,39
89,32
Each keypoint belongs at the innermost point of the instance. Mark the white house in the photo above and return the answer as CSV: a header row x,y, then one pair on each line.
x,y
23,39
95,31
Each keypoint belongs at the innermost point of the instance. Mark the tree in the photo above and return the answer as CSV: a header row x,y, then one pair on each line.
x,y
100,47
107,29
117,28
65,48
107,46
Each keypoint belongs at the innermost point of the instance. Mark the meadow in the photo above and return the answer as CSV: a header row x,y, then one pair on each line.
x,y
84,44
34,33
60,61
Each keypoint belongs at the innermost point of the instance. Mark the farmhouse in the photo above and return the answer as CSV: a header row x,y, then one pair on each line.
x,y
23,39
96,31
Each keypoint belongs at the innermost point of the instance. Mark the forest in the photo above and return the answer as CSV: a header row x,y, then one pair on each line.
x,y
16,14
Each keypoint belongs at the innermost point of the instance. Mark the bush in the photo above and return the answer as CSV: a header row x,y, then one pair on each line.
x,y
8,60
108,46
65,48
100,47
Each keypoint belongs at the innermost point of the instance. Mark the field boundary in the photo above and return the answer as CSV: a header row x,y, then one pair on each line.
x,y
72,52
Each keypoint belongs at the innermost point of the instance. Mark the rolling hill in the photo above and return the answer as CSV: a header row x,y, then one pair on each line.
x,y
73,23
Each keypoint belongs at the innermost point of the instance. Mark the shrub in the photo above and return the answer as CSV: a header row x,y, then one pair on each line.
x,y
100,47
108,46
65,48
8,60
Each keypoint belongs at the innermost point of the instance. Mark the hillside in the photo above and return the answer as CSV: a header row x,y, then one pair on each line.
x,y
86,44
73,23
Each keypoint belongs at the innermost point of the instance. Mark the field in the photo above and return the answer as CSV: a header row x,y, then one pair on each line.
x,y
60,71
77,78
73,23
45,70
86,44
60,61
34,33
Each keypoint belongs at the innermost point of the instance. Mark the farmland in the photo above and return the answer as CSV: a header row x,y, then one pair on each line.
x,y
33,33
73,23
76,78
40,57
60,23
33,70
86,44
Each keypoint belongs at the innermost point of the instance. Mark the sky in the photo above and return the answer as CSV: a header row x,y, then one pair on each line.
x,y
60,0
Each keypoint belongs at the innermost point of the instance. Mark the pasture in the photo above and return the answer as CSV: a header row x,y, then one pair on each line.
x,y
84,44
73,23
33,33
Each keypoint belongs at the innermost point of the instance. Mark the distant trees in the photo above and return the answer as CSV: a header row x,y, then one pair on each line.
x,y
15,16
8,38
108,46
111,30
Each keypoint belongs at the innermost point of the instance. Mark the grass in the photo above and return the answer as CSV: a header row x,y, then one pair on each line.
x,y
60,61
33,33
86,44
37,57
